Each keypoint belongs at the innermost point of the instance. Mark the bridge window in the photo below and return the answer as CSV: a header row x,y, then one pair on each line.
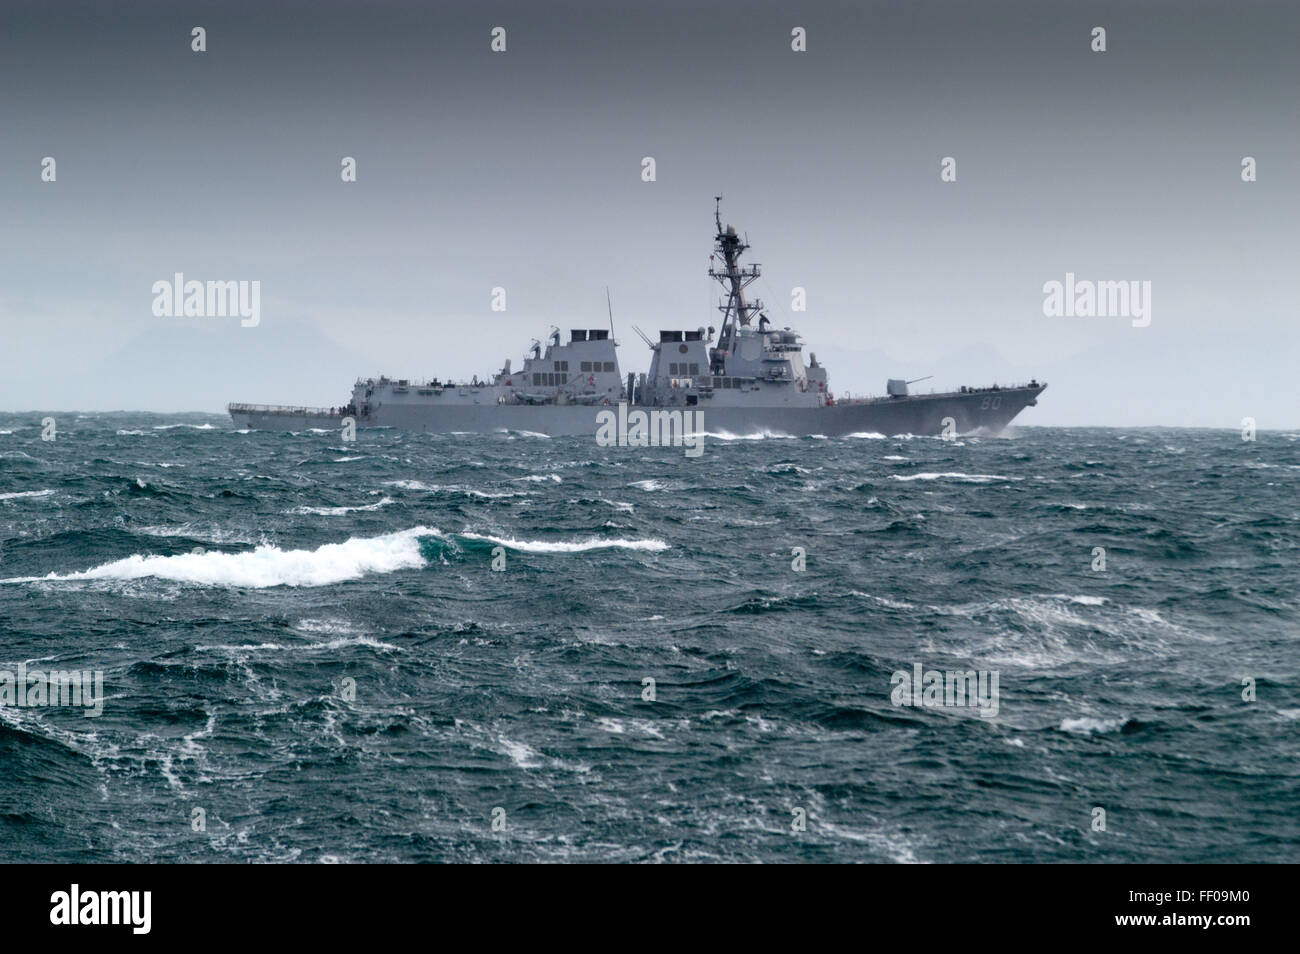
x,y
609,366
695,368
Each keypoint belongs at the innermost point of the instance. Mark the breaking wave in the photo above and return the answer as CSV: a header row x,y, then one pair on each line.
x,y
1089,724
955,475
266,565
26,493
565,546
340,511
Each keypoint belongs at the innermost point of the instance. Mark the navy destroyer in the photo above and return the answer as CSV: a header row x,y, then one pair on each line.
x,y
750,379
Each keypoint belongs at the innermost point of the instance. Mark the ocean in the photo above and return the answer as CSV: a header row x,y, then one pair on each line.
x,y
510,648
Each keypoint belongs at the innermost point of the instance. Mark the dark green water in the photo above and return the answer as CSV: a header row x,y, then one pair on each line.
x,y
326,566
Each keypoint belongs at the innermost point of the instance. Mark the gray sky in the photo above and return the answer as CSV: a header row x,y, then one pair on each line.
x,y
523,170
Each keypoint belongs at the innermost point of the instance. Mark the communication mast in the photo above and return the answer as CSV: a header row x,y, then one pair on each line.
x,y
735,278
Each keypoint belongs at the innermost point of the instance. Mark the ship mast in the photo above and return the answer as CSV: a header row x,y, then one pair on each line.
x,y
735,278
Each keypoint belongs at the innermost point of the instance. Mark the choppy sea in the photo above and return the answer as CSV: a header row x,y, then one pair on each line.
x,y
307,654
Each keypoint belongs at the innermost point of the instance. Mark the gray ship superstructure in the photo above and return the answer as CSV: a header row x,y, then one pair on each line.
x,y
751,379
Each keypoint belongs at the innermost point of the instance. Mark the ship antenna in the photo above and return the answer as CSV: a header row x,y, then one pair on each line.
x,y
610,305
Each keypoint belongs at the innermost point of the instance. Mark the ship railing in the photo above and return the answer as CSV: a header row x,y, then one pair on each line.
x,y
434,383
963,389
283,409
1013,386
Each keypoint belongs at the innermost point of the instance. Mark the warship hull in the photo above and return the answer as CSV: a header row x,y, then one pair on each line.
x,y
982,411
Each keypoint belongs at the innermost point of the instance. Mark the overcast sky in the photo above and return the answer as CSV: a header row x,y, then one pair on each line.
x,y
523,169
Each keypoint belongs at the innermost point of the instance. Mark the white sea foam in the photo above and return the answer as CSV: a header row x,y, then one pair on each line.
x,y
216,535
337,643
883,600
331,626
196,427
897,847
514,434
753,436
339,511
618,727
420,485
1086,724
520,754
26,493
1082,600
570,546
352,559
267,565
1051,630
954,475
412,485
